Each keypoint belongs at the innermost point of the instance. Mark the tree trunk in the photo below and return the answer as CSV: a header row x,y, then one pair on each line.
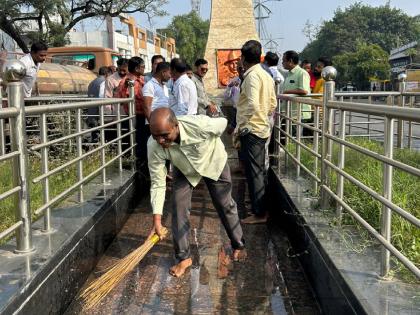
x,y
9,29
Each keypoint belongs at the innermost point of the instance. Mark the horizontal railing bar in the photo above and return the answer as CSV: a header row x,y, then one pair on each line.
x,y
81,182
361,123
315,154
63,97
355,94
300,99
52,108
9,155
71,162
402,166
8,112
10,192
406,215
299,163
11,229
410,114
301,124
74,135
375,233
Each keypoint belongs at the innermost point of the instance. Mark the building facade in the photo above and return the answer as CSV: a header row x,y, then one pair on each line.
x,y
138,41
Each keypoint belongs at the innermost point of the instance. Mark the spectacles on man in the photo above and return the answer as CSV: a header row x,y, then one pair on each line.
x,y
202,69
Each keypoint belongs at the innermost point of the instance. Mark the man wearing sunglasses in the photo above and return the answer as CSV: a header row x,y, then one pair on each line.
x,y
205,105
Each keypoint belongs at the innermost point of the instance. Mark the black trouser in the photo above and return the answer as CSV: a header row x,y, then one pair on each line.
x,y
253,155
142,136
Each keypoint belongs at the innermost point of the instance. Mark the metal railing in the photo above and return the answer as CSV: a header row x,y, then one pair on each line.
x,y
333,129
17,150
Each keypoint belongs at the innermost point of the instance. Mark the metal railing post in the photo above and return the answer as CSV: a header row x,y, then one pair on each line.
x,y
2,135
341,159
328,74
288,122
102,142
350,117
400,127
368,118
387,193
69,131
15,72
131,111
298,137
315,146
410,125
79,152
44,169
119,147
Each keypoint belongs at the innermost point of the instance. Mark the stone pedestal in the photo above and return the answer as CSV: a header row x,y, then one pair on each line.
x,y
232,23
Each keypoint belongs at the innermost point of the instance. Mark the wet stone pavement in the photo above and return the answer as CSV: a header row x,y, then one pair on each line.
x,y
267,282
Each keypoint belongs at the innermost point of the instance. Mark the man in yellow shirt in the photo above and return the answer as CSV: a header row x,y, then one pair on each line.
x,y
319,83
193,145
257,102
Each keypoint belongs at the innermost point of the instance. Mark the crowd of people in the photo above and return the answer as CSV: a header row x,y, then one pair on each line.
x,y
179,128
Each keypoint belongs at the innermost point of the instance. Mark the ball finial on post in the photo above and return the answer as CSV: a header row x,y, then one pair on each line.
x,y
13,71
329,73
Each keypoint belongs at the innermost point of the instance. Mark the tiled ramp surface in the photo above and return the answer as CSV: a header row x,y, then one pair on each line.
x,y
267,282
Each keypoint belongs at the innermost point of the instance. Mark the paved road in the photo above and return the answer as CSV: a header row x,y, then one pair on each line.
x,y
377,127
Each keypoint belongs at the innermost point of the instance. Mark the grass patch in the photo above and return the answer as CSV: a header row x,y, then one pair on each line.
x,y
406,188
57,183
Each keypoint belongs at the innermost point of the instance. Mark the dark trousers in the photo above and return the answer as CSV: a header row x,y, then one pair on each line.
x,y
142,136
253,155
221,195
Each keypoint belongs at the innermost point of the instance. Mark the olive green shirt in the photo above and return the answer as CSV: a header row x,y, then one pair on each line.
x,y
200,153
298,78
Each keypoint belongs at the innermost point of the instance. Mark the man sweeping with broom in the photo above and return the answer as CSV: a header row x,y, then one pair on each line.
x,y
193,145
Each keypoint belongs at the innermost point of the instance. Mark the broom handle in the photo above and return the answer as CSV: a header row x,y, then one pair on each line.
x,y
154,239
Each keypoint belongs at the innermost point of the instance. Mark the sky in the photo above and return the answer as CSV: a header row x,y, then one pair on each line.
x,y
288,16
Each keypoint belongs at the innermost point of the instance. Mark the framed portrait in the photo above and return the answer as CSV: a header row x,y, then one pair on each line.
x,y
227,65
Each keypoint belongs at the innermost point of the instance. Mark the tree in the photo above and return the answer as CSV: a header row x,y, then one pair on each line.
x,y
190,33
412,53
369,61
384,26
55,18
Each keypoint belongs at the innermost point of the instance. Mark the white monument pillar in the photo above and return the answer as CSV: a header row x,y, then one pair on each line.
x,y
232,23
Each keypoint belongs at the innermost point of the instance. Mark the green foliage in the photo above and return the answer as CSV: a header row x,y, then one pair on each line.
x,y
384,26
366,62
190,33
57,183
369,171
51,20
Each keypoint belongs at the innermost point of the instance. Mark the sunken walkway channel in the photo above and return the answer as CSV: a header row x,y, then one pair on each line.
x,y
267,282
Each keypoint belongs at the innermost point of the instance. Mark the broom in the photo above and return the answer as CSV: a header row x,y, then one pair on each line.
x,y
100,287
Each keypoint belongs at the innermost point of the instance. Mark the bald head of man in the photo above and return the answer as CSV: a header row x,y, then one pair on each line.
x,y
164,127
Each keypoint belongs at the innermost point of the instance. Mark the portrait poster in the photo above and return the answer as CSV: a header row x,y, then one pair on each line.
x,y
227,65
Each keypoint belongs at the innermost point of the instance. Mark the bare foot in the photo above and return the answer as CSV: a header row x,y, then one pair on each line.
x,y
253,219
239,255
179,269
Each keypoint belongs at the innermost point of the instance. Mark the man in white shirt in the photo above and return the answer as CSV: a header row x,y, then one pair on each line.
x,y
272,60
155,92
183,96
32,62
156,59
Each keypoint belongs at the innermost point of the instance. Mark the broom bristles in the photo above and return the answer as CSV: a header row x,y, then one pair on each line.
x,y
100,287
